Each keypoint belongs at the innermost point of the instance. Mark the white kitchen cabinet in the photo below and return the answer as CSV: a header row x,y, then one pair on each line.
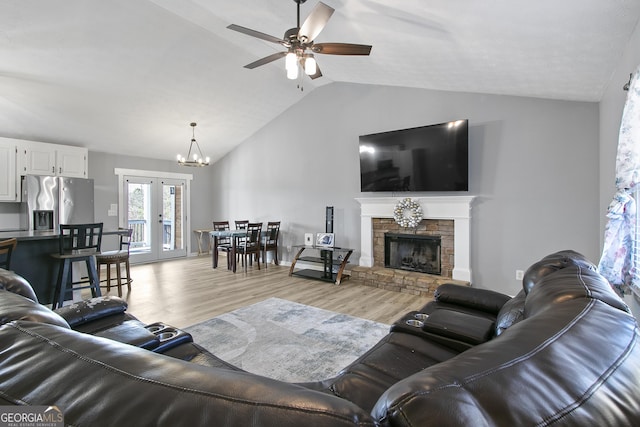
x,y
19,157
8,178
38,158
72,162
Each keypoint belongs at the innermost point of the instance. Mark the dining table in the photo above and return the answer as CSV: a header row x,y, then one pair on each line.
x,y
234,234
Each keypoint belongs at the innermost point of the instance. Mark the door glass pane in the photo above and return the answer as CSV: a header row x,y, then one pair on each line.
x,y
139,216
172,209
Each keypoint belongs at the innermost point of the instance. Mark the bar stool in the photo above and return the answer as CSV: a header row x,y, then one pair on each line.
x,y
117,258
6,248
78,243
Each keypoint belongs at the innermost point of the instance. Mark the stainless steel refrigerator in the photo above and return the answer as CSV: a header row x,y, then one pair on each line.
x,y
50,200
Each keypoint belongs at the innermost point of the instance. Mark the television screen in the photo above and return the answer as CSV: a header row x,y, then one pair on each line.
x,y
427,158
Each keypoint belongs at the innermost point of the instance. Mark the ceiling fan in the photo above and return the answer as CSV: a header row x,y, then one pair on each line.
x,y
300,44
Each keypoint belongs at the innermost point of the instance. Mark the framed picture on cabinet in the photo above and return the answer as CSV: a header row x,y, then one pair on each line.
x,y
325,239
308,239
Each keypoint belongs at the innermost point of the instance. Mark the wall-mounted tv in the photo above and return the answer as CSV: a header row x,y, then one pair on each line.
x,y
426,158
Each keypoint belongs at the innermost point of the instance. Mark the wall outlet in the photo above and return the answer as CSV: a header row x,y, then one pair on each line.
x,y
519,274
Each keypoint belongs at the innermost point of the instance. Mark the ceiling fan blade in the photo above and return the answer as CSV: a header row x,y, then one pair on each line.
x,y
317,74
315,22
254,33
265,60
341,49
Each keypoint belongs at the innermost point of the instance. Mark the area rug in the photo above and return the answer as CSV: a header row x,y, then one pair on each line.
x,y
288,341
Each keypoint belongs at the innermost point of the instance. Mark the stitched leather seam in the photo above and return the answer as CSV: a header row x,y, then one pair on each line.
x,y
180,388
569,408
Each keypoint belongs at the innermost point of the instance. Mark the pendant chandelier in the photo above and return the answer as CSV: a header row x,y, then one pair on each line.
x,y
194,156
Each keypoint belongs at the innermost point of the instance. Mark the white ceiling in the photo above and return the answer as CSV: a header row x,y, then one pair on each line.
x,y
129,76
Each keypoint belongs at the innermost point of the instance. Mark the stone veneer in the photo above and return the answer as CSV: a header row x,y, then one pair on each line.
x,y
428,227
411,282
400,280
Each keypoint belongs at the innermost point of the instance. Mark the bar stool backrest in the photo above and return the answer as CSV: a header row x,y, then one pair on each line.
x,y
80,238
6,248
125,238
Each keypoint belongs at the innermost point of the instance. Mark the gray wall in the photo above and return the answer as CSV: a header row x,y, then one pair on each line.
x,y
533,167
101,169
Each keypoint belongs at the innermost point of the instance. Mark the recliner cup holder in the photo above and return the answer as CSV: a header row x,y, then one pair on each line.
x,y
168,336
416,319
410,324
156,327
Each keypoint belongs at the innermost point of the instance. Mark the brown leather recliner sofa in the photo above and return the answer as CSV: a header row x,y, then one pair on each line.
x,y
562,352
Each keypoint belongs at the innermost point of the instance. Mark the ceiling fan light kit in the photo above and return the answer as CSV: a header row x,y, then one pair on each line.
x,y
310,65
195,159
300,39
291,65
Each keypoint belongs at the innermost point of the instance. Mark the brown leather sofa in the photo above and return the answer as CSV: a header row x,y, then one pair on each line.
x,y
562,352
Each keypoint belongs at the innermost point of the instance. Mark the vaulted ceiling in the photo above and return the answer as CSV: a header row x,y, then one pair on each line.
x,y
128,76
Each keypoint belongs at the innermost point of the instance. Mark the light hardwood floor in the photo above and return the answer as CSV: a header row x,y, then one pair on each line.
x,y
187,291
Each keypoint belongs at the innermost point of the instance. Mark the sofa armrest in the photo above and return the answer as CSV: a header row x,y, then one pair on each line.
x,y
408,324
459,326
479,299
17,284
91,309
100,382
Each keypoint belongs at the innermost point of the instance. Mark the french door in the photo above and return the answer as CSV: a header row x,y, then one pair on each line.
x,y
155,209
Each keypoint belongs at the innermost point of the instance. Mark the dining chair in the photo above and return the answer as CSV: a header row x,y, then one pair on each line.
x,y
224,243
241,224
248,244
117,258
270,242
77,243
6,249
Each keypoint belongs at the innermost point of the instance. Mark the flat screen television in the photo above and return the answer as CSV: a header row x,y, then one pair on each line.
x,y
426,158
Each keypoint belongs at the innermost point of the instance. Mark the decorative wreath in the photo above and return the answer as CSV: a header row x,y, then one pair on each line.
x,y
407,213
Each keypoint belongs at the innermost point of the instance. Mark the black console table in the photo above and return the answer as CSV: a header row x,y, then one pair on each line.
x,y
330,258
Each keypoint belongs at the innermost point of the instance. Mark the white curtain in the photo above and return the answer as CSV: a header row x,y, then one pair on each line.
x,y
618,254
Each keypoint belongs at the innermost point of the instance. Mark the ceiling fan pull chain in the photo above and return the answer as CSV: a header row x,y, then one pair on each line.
x,y
301,81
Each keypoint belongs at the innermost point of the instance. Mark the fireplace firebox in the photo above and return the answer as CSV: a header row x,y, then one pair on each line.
x,y
413,253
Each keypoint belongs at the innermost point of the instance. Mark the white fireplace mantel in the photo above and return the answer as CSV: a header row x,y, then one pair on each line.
x,y
456,208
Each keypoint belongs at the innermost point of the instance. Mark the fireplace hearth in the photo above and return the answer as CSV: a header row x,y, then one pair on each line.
x,y
413,252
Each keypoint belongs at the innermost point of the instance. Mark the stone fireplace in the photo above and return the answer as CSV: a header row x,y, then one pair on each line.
x,y
412,252
441,229
445,219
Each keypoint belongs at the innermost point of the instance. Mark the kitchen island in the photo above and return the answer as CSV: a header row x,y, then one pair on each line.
x,y
32,259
